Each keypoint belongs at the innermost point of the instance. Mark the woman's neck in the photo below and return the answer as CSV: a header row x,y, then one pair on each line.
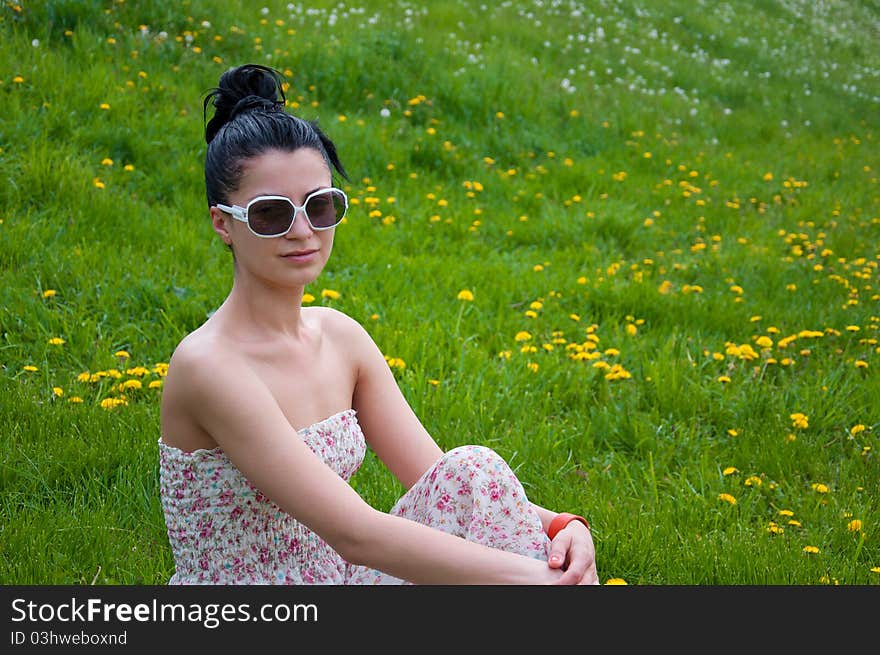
x,y
258,312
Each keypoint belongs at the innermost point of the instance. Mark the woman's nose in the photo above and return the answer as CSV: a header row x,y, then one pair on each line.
x,y
300,226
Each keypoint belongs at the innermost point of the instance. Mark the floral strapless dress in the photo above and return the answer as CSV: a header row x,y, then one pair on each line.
x,y
223,530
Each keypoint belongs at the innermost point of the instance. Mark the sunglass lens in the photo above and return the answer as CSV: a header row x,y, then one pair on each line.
x,y
326,209
270,217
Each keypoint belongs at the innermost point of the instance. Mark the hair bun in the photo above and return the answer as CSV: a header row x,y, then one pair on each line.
x,y
241,89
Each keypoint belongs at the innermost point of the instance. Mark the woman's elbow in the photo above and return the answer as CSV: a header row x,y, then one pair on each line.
x,y
357,541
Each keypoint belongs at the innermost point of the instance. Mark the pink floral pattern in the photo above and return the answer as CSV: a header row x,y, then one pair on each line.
x,y
223,530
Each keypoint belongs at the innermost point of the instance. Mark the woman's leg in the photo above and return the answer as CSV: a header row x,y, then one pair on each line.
x,y
470,492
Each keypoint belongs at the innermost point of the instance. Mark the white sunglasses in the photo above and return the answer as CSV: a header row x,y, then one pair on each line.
x,y
273,216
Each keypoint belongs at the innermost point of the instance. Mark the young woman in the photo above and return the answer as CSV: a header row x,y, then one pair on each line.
x,y
268,407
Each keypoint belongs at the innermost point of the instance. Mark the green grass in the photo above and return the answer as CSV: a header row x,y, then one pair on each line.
x,y
711,179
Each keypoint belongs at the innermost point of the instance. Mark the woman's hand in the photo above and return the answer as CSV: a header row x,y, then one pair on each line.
x,y
572,550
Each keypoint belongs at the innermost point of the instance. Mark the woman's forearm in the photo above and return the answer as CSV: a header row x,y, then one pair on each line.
x,y
423,555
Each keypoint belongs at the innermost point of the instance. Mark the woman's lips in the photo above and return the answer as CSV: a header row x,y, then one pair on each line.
x,y
300,256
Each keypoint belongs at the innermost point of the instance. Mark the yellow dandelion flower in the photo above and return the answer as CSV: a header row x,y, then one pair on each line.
x,y
617,372
723,379
110,403
30,368
812,550
727,498
786,512
854,526
122,353
130,384
856,429
775,529
307,297
732,432
74,399
753,480
730,470
434,382
522,336
57,341
794,523
631,329
819,488
396,362
533,367
616,581
800,420
465,294
155,384
49,293
58,391
860,363
106,161
104,106
128,168
875,569
330,293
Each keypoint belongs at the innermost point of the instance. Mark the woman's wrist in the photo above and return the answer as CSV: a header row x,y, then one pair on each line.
x,y
563,519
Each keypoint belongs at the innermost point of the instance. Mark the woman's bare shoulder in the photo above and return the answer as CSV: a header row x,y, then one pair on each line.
x,y
202,359
199,370
200,348
336,323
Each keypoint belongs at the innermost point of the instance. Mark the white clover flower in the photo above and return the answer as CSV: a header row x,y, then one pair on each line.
x,y
384,112
35,43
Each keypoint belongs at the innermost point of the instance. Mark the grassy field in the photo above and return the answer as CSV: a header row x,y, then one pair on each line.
x,y
631,247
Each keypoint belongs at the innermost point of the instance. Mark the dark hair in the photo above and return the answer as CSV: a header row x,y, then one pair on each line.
x,y
249,119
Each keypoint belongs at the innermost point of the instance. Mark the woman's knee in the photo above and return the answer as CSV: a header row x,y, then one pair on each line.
x,y
473,454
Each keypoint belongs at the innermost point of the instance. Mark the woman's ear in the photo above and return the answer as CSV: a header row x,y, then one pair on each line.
x,y
220,223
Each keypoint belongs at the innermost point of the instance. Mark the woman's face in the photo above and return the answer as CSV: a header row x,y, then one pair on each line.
x,y
296,258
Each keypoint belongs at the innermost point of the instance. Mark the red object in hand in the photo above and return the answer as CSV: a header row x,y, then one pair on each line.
x,y
561,520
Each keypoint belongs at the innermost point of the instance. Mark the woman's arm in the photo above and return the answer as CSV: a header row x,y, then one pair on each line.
x,y
232,404
398,438
390,426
